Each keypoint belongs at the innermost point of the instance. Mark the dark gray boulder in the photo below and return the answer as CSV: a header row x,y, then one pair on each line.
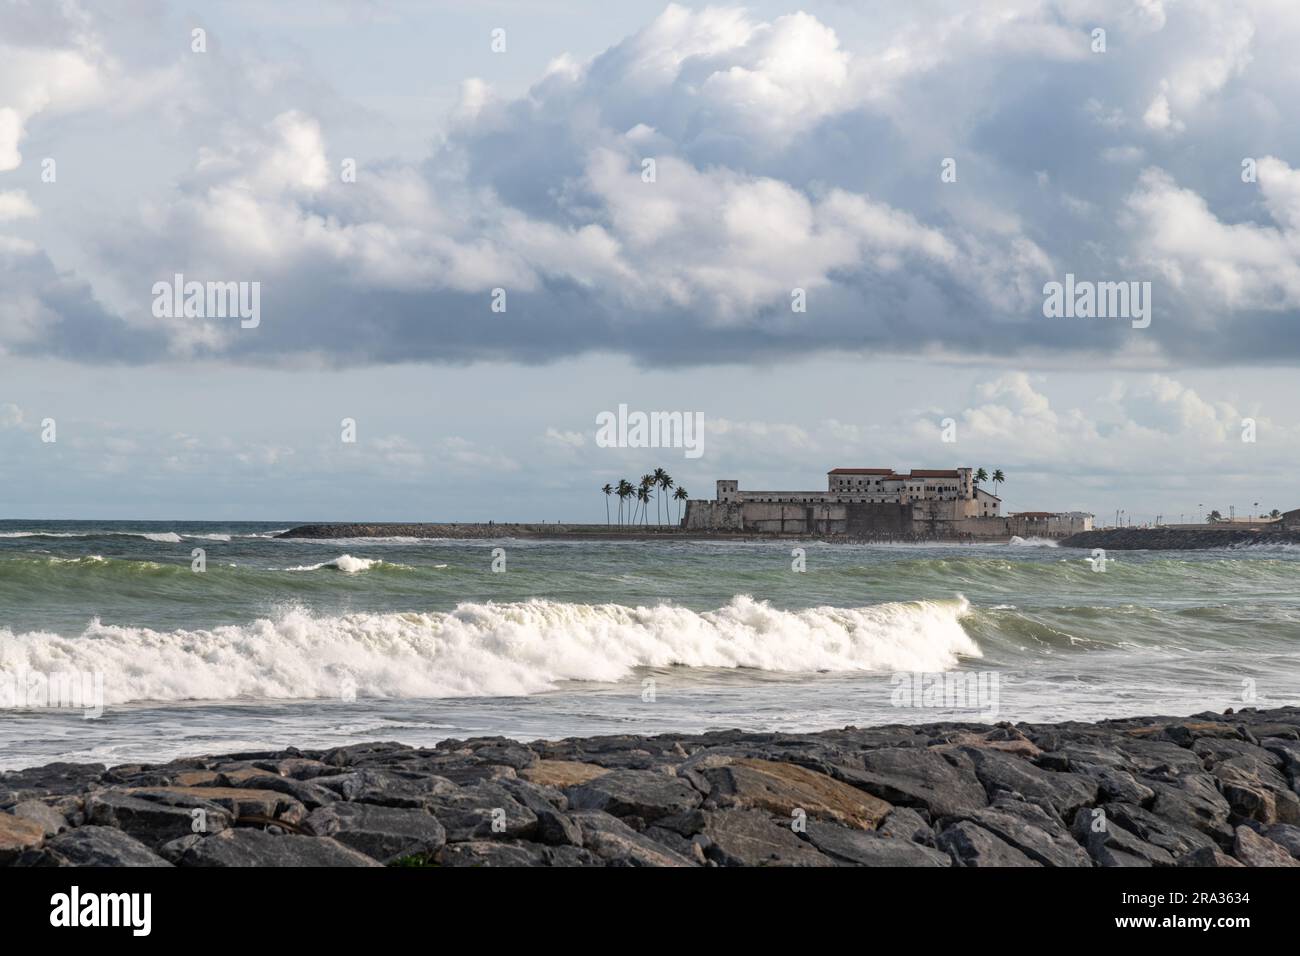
x,y
755,838
674,841
388,788
1061,792
918,778
971,845
906,824
482,811
311,795
1176,839
871,848
1110,844
151,822
383,833
645,794
248,847
1207,856
1194,801
52,779
617,844
95,846
1033,831
1255,789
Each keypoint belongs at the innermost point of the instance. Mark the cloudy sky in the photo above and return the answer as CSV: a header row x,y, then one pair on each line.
x,y
793,147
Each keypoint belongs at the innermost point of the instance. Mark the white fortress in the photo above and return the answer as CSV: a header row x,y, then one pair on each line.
x,y
878,502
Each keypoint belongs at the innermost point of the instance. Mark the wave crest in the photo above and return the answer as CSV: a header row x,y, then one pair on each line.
x,y
491,649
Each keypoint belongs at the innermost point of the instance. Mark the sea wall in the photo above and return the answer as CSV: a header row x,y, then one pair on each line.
x,y
1209,790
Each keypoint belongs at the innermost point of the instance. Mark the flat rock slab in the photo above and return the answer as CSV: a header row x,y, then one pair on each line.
x,y
917,777
562,774
865,848
785,789
646,794
754,838
97,846
247,847
383,833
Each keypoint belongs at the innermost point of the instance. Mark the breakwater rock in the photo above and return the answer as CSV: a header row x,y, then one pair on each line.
x,y
460,530
1208,790
1177,539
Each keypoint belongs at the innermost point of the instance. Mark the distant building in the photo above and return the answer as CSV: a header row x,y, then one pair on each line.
x,y
880,486
874,502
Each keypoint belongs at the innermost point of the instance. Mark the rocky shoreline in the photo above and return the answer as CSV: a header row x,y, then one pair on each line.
x,y
1209,790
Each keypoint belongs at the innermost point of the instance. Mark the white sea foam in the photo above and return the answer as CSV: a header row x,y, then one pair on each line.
x,y
38,534
166,537
491,649
1019,542
344,562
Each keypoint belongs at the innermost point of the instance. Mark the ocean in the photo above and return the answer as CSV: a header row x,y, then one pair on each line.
x,y
317,643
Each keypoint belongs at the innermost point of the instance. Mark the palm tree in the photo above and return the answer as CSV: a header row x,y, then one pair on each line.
x,y
643,495
997,479
681,495
1275,513
609,490
624,492
980,475
647,482
665,482
1215,516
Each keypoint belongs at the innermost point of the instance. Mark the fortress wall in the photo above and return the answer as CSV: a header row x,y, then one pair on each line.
x,y
936,519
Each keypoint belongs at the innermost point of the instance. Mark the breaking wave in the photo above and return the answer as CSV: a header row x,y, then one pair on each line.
x,y
347,564
491,649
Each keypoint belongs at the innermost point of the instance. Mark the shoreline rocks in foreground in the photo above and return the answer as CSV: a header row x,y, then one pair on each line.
x,y
1208,790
